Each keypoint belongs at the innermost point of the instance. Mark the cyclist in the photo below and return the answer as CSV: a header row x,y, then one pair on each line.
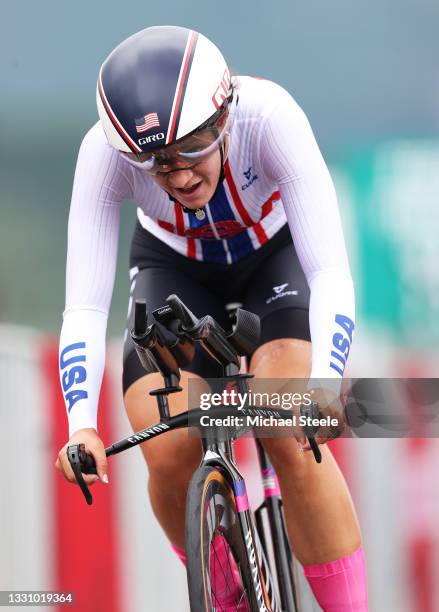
x,y
235,203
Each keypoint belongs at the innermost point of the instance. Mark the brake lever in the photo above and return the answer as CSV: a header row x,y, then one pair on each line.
x,y
312,412
81,462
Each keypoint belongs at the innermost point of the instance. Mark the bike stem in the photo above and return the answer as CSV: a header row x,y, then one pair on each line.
x,y
161,395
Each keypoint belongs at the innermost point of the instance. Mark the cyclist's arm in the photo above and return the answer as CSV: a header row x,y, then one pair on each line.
x,y
290,156
99,188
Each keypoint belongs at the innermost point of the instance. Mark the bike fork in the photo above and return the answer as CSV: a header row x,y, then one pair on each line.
x,y
221,454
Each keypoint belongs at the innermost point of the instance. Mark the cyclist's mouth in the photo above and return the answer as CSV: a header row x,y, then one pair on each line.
x,y
190,190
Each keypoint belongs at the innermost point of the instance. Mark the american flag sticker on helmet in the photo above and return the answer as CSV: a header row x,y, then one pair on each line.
x,y
147,122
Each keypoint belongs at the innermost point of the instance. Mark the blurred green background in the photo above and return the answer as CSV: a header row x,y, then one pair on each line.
x,y
366,74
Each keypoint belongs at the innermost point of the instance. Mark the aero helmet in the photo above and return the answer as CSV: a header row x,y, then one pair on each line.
x,y
159,86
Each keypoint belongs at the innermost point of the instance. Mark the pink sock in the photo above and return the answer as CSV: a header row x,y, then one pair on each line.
x,y
341,585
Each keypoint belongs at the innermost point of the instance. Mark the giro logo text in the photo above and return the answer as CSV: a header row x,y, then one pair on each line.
x,y
341,343
153,138
73,374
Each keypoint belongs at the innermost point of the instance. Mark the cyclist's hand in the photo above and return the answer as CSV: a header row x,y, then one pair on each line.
x,y
331,409
94,446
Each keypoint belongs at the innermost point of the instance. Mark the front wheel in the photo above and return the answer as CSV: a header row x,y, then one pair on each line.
x,y
218,569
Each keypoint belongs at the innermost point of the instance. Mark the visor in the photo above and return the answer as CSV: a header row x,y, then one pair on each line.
x,y
191,149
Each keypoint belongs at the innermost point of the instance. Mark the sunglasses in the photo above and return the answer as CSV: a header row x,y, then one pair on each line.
x,y
190,150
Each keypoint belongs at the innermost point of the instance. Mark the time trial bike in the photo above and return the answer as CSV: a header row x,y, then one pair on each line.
x,y
231,551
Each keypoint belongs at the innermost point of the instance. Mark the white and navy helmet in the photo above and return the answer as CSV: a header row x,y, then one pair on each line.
x,y
158,86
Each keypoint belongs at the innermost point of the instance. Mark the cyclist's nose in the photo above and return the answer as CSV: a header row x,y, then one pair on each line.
x,y
180,179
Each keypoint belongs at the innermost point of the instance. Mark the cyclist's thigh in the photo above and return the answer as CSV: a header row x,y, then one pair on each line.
x,y
174,452
278,292
280,296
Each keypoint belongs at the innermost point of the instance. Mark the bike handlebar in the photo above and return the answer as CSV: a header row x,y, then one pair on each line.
x,y
182,312
82,463
140,318
157,354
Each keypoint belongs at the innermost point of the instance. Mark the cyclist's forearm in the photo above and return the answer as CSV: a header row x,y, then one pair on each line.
x,y
81,364
332,322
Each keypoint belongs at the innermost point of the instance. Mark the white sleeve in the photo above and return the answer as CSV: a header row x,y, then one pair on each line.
x,y
290,155
99,187
81,365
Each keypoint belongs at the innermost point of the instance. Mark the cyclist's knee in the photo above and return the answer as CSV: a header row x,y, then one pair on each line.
x,y
142,408
287,457
283,357
174,459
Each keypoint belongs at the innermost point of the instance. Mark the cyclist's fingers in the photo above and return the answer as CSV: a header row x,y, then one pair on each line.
x,y
100,458
298,432
323,435
63,465
326,434
302,442
90,478
66,470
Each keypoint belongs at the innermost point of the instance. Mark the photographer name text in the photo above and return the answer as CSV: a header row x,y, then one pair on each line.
x,y
266,421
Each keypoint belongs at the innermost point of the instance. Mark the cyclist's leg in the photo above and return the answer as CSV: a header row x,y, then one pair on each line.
x,y
320,516
171,458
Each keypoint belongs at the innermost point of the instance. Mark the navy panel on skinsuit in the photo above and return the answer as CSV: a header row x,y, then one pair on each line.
x,y
219,205
239,244
214,251
212,248
127,100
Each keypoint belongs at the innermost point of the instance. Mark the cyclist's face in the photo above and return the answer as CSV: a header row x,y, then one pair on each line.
x,y
192,186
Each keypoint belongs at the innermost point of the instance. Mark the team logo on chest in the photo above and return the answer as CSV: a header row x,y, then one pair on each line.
x,y
250,177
